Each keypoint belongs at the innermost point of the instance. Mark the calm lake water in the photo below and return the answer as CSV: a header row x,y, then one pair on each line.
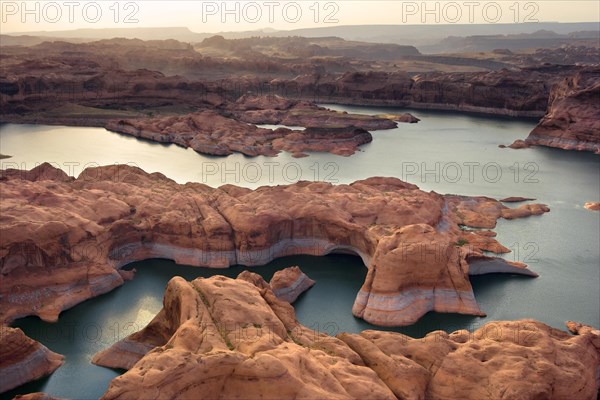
x,y
444,152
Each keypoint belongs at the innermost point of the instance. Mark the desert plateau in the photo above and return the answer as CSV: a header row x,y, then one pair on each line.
x,y
339,206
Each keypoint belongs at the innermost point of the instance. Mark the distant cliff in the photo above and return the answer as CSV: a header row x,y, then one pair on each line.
x,y
573,118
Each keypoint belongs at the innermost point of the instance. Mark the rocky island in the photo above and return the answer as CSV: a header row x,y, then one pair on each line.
x,y
80,232
210,132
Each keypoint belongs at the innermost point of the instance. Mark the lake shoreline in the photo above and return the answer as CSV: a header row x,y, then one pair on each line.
x,y
502,297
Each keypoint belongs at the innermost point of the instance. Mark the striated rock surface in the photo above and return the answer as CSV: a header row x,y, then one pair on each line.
x,y
206,132
65,240
210,133
514,360
289,283
519,92
286,285
51,82
577,328
23,359
232,338
572,121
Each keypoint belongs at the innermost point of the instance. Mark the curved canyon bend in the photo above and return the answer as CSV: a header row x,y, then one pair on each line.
x,y
564,181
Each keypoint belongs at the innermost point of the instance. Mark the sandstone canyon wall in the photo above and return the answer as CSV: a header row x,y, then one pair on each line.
x,y
572,121
65,239
231,338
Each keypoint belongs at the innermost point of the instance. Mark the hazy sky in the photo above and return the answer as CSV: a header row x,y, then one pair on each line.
x,y
215,16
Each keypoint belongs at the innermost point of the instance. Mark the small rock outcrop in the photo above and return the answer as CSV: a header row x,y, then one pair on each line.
x,y
518,144
516,199
405,117
23,360
289,283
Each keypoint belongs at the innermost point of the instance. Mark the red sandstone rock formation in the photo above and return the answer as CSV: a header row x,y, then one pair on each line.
x,y
517,92
276,110
226,338
208,132
23,359
120,75
64,240
572,121
289,283
234,130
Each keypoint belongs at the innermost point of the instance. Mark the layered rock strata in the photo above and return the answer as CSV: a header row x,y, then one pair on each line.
x,y
65,239
572,121
289,283
23,359
231,338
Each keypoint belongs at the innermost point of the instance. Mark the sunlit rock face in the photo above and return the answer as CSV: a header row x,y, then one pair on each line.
x,y
232,338
573,118
65,239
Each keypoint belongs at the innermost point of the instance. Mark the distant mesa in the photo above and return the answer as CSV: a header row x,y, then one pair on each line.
x,y
303,47
428,38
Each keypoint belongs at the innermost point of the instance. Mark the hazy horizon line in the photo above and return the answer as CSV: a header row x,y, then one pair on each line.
x,y
297,29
